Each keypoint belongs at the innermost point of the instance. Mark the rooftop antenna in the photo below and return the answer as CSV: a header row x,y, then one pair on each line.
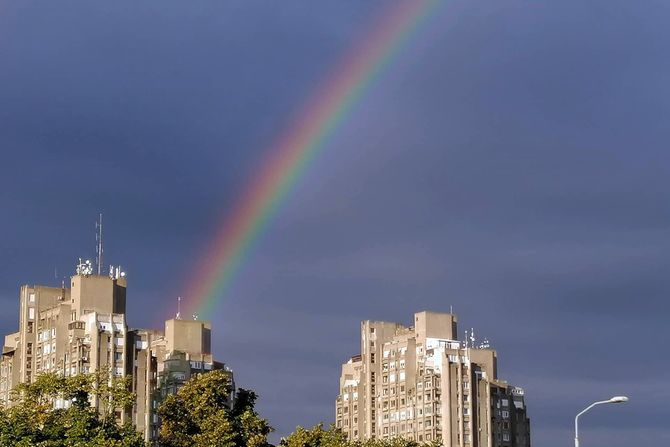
x,y
451,309
98,245
178,308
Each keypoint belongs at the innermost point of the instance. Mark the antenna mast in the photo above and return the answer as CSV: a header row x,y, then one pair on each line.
x,y
178,308
98,246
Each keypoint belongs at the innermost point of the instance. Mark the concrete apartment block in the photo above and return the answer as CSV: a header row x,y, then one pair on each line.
x,y
82,327
420,382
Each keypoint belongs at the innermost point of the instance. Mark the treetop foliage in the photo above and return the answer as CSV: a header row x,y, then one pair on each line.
x,y
318,436
32,420
200,415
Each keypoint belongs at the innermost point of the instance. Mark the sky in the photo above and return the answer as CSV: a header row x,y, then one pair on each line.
x,y
510,163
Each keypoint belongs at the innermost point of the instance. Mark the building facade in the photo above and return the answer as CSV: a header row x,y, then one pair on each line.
x,y
419,382
81,328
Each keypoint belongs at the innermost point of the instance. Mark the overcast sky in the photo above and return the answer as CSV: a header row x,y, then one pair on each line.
x,y
512,163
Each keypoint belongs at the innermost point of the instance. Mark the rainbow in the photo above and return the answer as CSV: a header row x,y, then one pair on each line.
x,y
293,151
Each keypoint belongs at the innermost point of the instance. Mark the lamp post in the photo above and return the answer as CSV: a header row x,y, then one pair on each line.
x,y
614,400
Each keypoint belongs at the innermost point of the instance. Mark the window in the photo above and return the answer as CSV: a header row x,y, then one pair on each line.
x,y
31,327
505,437
372,330
31,298
372,357
31,313
198,365
505,414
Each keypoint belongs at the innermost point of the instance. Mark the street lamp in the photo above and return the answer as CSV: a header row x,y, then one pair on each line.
x,y
614,400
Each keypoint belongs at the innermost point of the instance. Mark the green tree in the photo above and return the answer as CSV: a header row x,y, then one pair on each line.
x,y
32,420
199,415
318,436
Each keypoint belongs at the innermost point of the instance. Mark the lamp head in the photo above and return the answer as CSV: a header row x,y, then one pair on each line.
x,y
619,399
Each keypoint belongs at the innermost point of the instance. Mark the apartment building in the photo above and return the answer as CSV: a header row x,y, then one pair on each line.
x,y
81,327
421,383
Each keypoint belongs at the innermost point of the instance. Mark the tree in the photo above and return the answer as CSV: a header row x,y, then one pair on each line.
x,y
32,420
200,415
317,436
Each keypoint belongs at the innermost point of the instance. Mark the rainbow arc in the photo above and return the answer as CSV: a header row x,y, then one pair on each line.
x,y
290,155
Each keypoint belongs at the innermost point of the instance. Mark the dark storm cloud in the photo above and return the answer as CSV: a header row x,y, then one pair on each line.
x,y
512,164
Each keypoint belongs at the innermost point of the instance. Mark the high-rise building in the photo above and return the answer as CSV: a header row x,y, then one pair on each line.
x,y
82,327
420,382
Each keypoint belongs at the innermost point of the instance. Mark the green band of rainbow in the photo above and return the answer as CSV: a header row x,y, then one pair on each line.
x,y
294,150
